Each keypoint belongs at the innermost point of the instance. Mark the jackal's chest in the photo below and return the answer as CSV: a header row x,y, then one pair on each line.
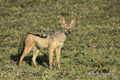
x,y
59,44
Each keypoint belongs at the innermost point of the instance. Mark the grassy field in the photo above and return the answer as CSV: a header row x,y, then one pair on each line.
x,y
91,51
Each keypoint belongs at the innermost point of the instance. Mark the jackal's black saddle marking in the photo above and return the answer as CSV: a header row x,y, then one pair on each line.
x,y
42,34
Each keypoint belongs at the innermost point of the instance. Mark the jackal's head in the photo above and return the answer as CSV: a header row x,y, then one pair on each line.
x,y
67,28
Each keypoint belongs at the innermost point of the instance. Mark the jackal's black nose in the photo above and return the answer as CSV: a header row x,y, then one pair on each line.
x,y
69,32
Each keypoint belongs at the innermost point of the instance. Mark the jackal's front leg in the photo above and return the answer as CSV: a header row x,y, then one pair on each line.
x,y
58,49
51,57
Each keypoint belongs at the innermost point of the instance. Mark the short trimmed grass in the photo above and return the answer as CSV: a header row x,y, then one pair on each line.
x,y
91,51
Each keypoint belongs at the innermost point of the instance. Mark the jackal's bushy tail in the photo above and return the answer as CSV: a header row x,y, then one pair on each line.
x,y
21,46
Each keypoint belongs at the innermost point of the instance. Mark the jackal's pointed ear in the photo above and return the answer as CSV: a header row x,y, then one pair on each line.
x,y
62,21
73,21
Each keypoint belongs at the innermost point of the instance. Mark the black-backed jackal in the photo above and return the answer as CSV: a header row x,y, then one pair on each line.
x,y
45,39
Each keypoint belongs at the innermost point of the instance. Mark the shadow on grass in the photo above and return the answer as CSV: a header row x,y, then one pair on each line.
x,y
41,60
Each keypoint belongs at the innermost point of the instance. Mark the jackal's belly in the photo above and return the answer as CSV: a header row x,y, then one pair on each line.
x,y
41,42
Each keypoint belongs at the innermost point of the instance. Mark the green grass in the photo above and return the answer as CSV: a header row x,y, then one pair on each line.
x,y
91,51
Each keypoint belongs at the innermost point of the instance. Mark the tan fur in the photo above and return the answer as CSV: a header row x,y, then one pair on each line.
x,y
55,41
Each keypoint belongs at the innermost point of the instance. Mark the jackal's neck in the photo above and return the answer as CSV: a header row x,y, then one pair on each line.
x,y
62,30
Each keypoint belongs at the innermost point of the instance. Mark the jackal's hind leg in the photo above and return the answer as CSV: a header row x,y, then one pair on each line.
x,y
28,47
35,54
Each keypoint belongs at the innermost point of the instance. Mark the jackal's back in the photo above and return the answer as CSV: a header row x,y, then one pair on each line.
x,y
42,34
46,34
